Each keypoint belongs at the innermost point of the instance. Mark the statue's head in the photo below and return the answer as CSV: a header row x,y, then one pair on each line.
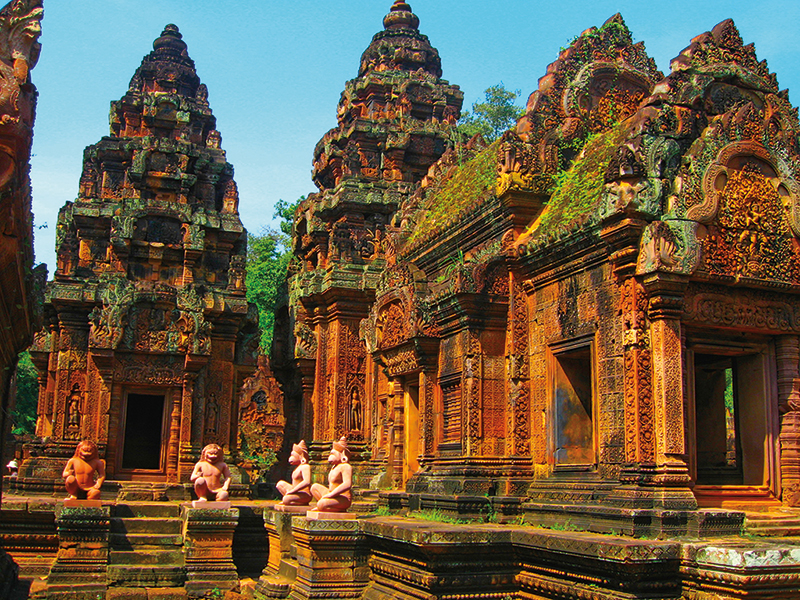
x,y
212,453
299,455
87,451
339,452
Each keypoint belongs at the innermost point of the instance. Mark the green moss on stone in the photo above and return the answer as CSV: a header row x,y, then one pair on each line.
x,y
579,189
472,182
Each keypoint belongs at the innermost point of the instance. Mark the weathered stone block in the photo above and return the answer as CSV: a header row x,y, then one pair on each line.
x,y
208,541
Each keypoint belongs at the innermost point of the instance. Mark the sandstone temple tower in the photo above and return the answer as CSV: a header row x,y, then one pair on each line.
x,y
144,344
394,121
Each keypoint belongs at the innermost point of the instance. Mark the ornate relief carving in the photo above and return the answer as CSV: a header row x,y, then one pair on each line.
x,y
637,377
153,370
471,382
747,309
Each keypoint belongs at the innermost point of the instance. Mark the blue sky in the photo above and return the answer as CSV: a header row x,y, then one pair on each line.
x,y
275,70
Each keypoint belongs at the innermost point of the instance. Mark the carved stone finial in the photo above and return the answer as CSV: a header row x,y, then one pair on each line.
x,y
171,39
401,17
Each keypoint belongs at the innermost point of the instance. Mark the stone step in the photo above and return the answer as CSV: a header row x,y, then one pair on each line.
x,y
272,586
154,510
120,541
33,565
772,524
146,555
152,526
146,576
133,593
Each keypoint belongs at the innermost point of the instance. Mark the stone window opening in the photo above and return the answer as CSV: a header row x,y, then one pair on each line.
x,y
573,429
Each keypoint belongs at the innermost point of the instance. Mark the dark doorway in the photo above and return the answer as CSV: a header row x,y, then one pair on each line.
x,y
144,415
719,456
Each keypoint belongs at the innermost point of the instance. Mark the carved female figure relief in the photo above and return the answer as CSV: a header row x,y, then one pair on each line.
x,y
355,410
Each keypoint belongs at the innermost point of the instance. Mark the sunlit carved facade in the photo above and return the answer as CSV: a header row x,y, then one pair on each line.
x,y
145,344
597,309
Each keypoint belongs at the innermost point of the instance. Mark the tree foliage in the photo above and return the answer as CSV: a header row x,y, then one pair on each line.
x,y
23,418
493,117
268,256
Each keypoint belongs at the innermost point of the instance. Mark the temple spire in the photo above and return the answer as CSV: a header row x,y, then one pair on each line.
x,y
401,17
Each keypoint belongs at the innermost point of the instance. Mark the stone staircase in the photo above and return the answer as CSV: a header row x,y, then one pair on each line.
x,y
146,546
773,524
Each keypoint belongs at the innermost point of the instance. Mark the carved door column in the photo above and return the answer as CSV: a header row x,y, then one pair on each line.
x,y
394,463
187,398
787,350
428,389
666,295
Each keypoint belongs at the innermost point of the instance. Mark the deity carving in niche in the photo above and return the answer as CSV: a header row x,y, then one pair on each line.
x,y
355,409
74,412
212,415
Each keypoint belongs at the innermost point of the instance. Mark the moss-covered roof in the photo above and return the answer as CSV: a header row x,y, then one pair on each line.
x,y
472,182
578,191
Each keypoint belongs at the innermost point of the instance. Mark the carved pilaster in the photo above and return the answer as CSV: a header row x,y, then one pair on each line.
x,y
787,354
665,293
428,389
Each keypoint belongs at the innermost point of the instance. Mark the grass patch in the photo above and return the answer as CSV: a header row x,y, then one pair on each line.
x,y
436,515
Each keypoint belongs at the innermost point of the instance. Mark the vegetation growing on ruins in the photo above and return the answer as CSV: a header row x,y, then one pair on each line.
x,y
577,190
471,182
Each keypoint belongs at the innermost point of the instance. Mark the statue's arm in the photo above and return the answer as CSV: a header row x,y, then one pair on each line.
x,y
69,469
197,472
100,467
347,483
226,474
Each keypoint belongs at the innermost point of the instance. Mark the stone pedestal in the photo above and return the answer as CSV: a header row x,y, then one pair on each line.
x,y
331,559
281,571
279,532
82,560
208,549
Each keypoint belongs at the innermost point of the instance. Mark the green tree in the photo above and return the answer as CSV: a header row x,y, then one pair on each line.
x,y
493,117
23,418
268,255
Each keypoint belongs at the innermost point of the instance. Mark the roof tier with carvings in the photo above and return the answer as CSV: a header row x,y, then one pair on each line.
x,y
394,121
157,204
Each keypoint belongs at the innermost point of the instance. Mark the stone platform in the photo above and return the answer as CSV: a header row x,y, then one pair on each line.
x,y
137,551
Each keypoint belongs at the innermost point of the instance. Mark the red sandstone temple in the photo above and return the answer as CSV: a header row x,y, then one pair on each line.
x,y
590,324
146,342
597,310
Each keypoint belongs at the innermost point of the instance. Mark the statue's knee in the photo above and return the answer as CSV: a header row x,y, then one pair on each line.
x,y
200,482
